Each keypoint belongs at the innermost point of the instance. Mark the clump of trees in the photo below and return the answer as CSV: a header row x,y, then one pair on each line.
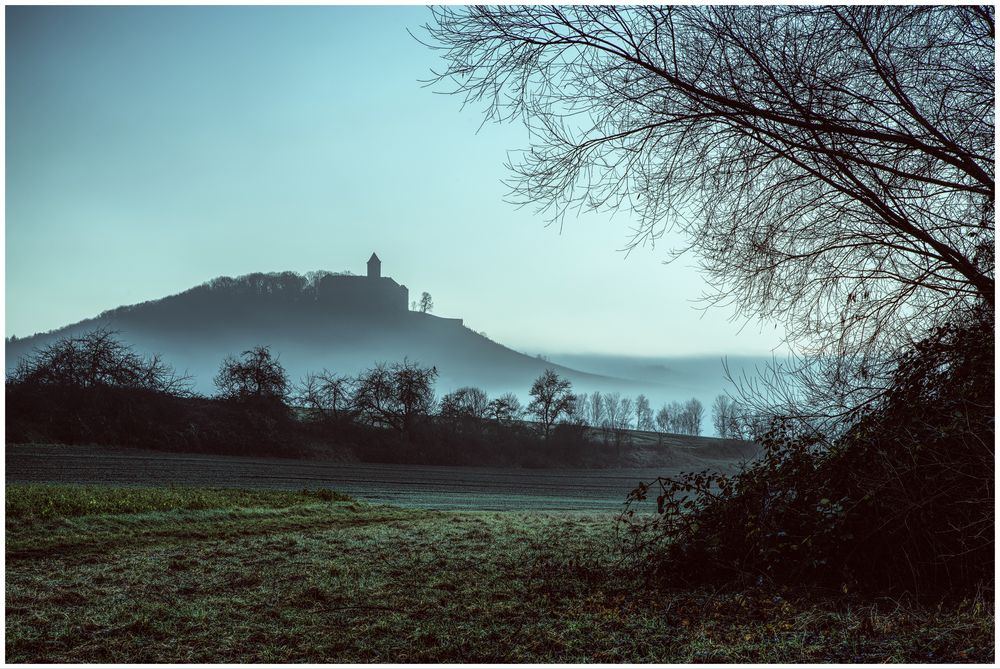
x,y
466,403
733,419
505,410
616,417
93,388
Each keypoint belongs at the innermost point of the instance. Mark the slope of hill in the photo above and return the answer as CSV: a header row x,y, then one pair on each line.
x,y
194,330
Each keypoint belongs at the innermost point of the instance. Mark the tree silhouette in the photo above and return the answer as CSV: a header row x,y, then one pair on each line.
x,y
395,396
694,411
254,376
426,303
551,398
505,409
98,359
466,402
327,395
832,167
643,414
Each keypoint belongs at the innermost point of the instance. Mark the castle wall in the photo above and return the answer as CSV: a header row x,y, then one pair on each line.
x,y
363,294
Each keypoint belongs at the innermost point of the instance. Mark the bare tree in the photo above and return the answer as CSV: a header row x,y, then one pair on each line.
x,y
678,425
326,395
551,398
426,303
643,414
749,424
664,421
832,167
612,403
255,376
617,418
505,409
95,359
466,402
628,408
596,410
724,417
694,411
581,409
395,396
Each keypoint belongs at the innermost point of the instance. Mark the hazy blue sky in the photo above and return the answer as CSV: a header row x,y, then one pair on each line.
x,y
151,149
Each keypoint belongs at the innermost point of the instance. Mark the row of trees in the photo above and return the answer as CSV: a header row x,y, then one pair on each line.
x,y
733,419
387,395
396,395
393,396
616,415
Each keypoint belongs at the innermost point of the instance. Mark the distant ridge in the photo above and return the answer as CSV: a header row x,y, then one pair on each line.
x,y
339,321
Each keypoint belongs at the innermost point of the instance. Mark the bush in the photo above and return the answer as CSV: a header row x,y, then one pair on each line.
x,y
97,360
903,502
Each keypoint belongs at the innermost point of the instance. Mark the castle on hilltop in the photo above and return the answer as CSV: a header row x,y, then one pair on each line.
x,y
370,293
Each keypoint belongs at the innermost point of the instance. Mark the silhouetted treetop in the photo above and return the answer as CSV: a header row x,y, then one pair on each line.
x,y
97,359
256,376
279,286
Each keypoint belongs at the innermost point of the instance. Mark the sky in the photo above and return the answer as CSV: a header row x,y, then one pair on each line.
x,y
150,149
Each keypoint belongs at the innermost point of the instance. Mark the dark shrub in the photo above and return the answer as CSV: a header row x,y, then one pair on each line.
x,y
903,502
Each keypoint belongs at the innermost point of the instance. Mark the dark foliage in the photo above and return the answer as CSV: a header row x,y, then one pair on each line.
x,y
95,389
903,502
143,419
286,287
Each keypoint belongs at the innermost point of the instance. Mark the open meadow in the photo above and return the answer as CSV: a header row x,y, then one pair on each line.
x,y
105,574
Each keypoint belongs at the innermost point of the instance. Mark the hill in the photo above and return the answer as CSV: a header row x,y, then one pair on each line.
x,y
319,320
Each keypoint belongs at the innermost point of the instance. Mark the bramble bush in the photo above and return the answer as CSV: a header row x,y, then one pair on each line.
x,y
902,502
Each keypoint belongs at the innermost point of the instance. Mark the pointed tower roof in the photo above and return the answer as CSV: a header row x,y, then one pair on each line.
x,y
374,267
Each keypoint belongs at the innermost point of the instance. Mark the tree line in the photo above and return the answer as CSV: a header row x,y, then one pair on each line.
x,y
394,396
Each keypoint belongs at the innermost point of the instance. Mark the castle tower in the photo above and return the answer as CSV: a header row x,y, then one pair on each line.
x,y
374,267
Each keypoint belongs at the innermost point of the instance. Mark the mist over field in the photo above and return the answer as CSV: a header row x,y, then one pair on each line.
x,y
670,377
327,321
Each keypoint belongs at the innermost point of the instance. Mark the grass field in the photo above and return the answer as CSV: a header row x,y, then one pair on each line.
x,y
192,575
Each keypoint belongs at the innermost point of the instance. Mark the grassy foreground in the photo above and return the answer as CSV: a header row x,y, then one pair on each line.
x,y
186,575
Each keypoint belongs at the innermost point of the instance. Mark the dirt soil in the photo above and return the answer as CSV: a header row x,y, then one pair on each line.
x,y
436,487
